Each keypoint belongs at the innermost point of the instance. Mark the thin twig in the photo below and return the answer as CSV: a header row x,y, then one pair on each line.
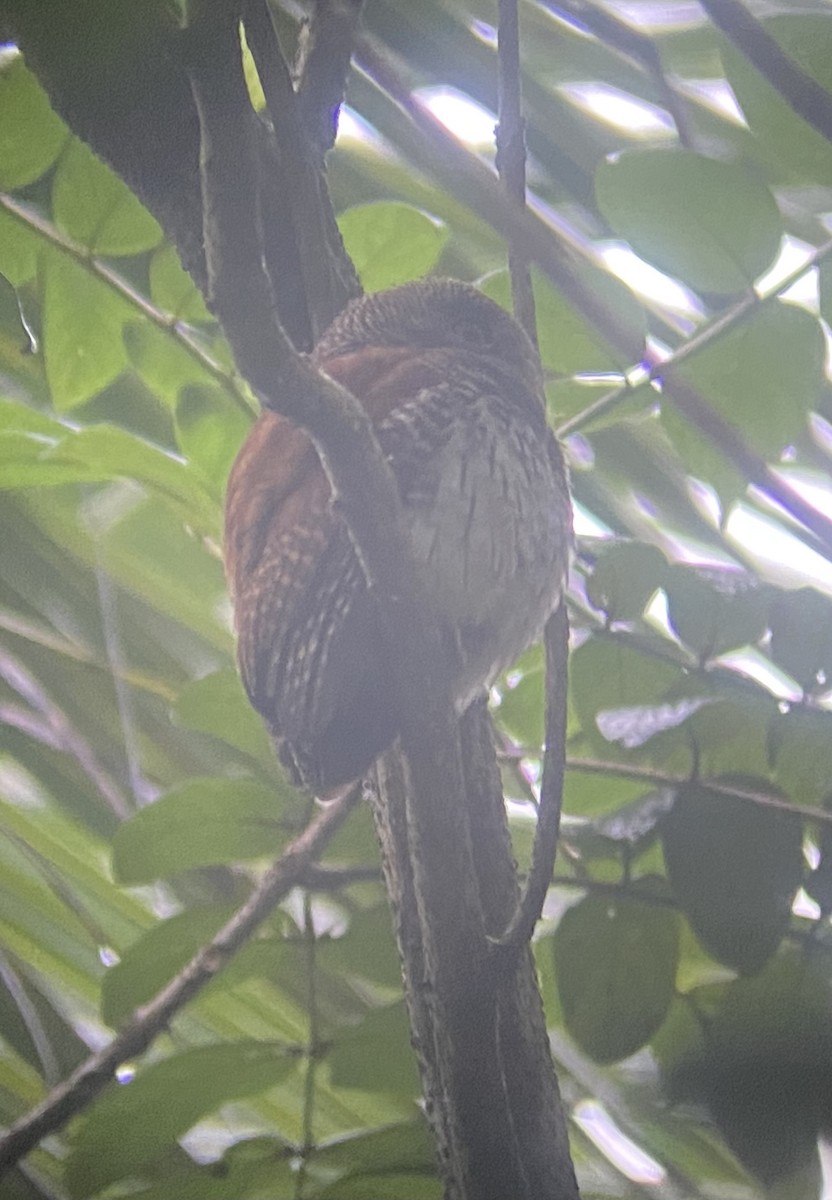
x,y
655,778
93,1075
445,158
511,164
64,735
511,156
437,152
634,47
163,321
807,98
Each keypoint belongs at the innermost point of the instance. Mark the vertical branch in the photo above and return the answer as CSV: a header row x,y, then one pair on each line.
x,y
324,64
511,163
511,155
295,190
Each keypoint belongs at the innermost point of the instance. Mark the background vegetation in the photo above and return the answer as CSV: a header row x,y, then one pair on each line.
x,y
685,955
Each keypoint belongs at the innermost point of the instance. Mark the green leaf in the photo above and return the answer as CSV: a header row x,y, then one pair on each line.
x,y
164,362
522,700
800,745
715,609
710,223
391,243
217,705
173,290
568,343
210,431
406,1146
19,249
616,959
134,1123
763,377
788,145
376,1055
82,323
200,823
102,452
368,949
31,134
96,208
625,576
382,1186
155,958
801,637
606,675
734,867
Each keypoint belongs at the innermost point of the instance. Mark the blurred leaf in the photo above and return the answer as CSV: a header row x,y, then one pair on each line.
x,y
625,576
132,1124
173,290
376,1055
31,134
82,323
218,705
713,610
19,248
368,949
762,377
391,243
568,343
155,958
199,823
96,208
210,431
710,223
615,958
801,637
607,675
734,867
800,746
786,142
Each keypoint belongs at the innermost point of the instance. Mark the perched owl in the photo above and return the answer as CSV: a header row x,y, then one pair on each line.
x,y
454,390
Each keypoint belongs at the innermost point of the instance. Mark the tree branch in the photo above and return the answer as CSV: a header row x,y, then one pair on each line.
x,y
93,1075
511,156
297,198
438,153
806,97
326,54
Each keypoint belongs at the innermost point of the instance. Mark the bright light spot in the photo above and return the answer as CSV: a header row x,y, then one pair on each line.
x,y
793,254
353,128
463,117
620,109
623,1153
781,557
825,1152
756,666
108,956
661,16
586,525
126,1073
716,94
805,906
19,787
483,31
647,281
706,500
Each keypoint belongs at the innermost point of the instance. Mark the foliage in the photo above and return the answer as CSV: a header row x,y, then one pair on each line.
x,y
697,800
